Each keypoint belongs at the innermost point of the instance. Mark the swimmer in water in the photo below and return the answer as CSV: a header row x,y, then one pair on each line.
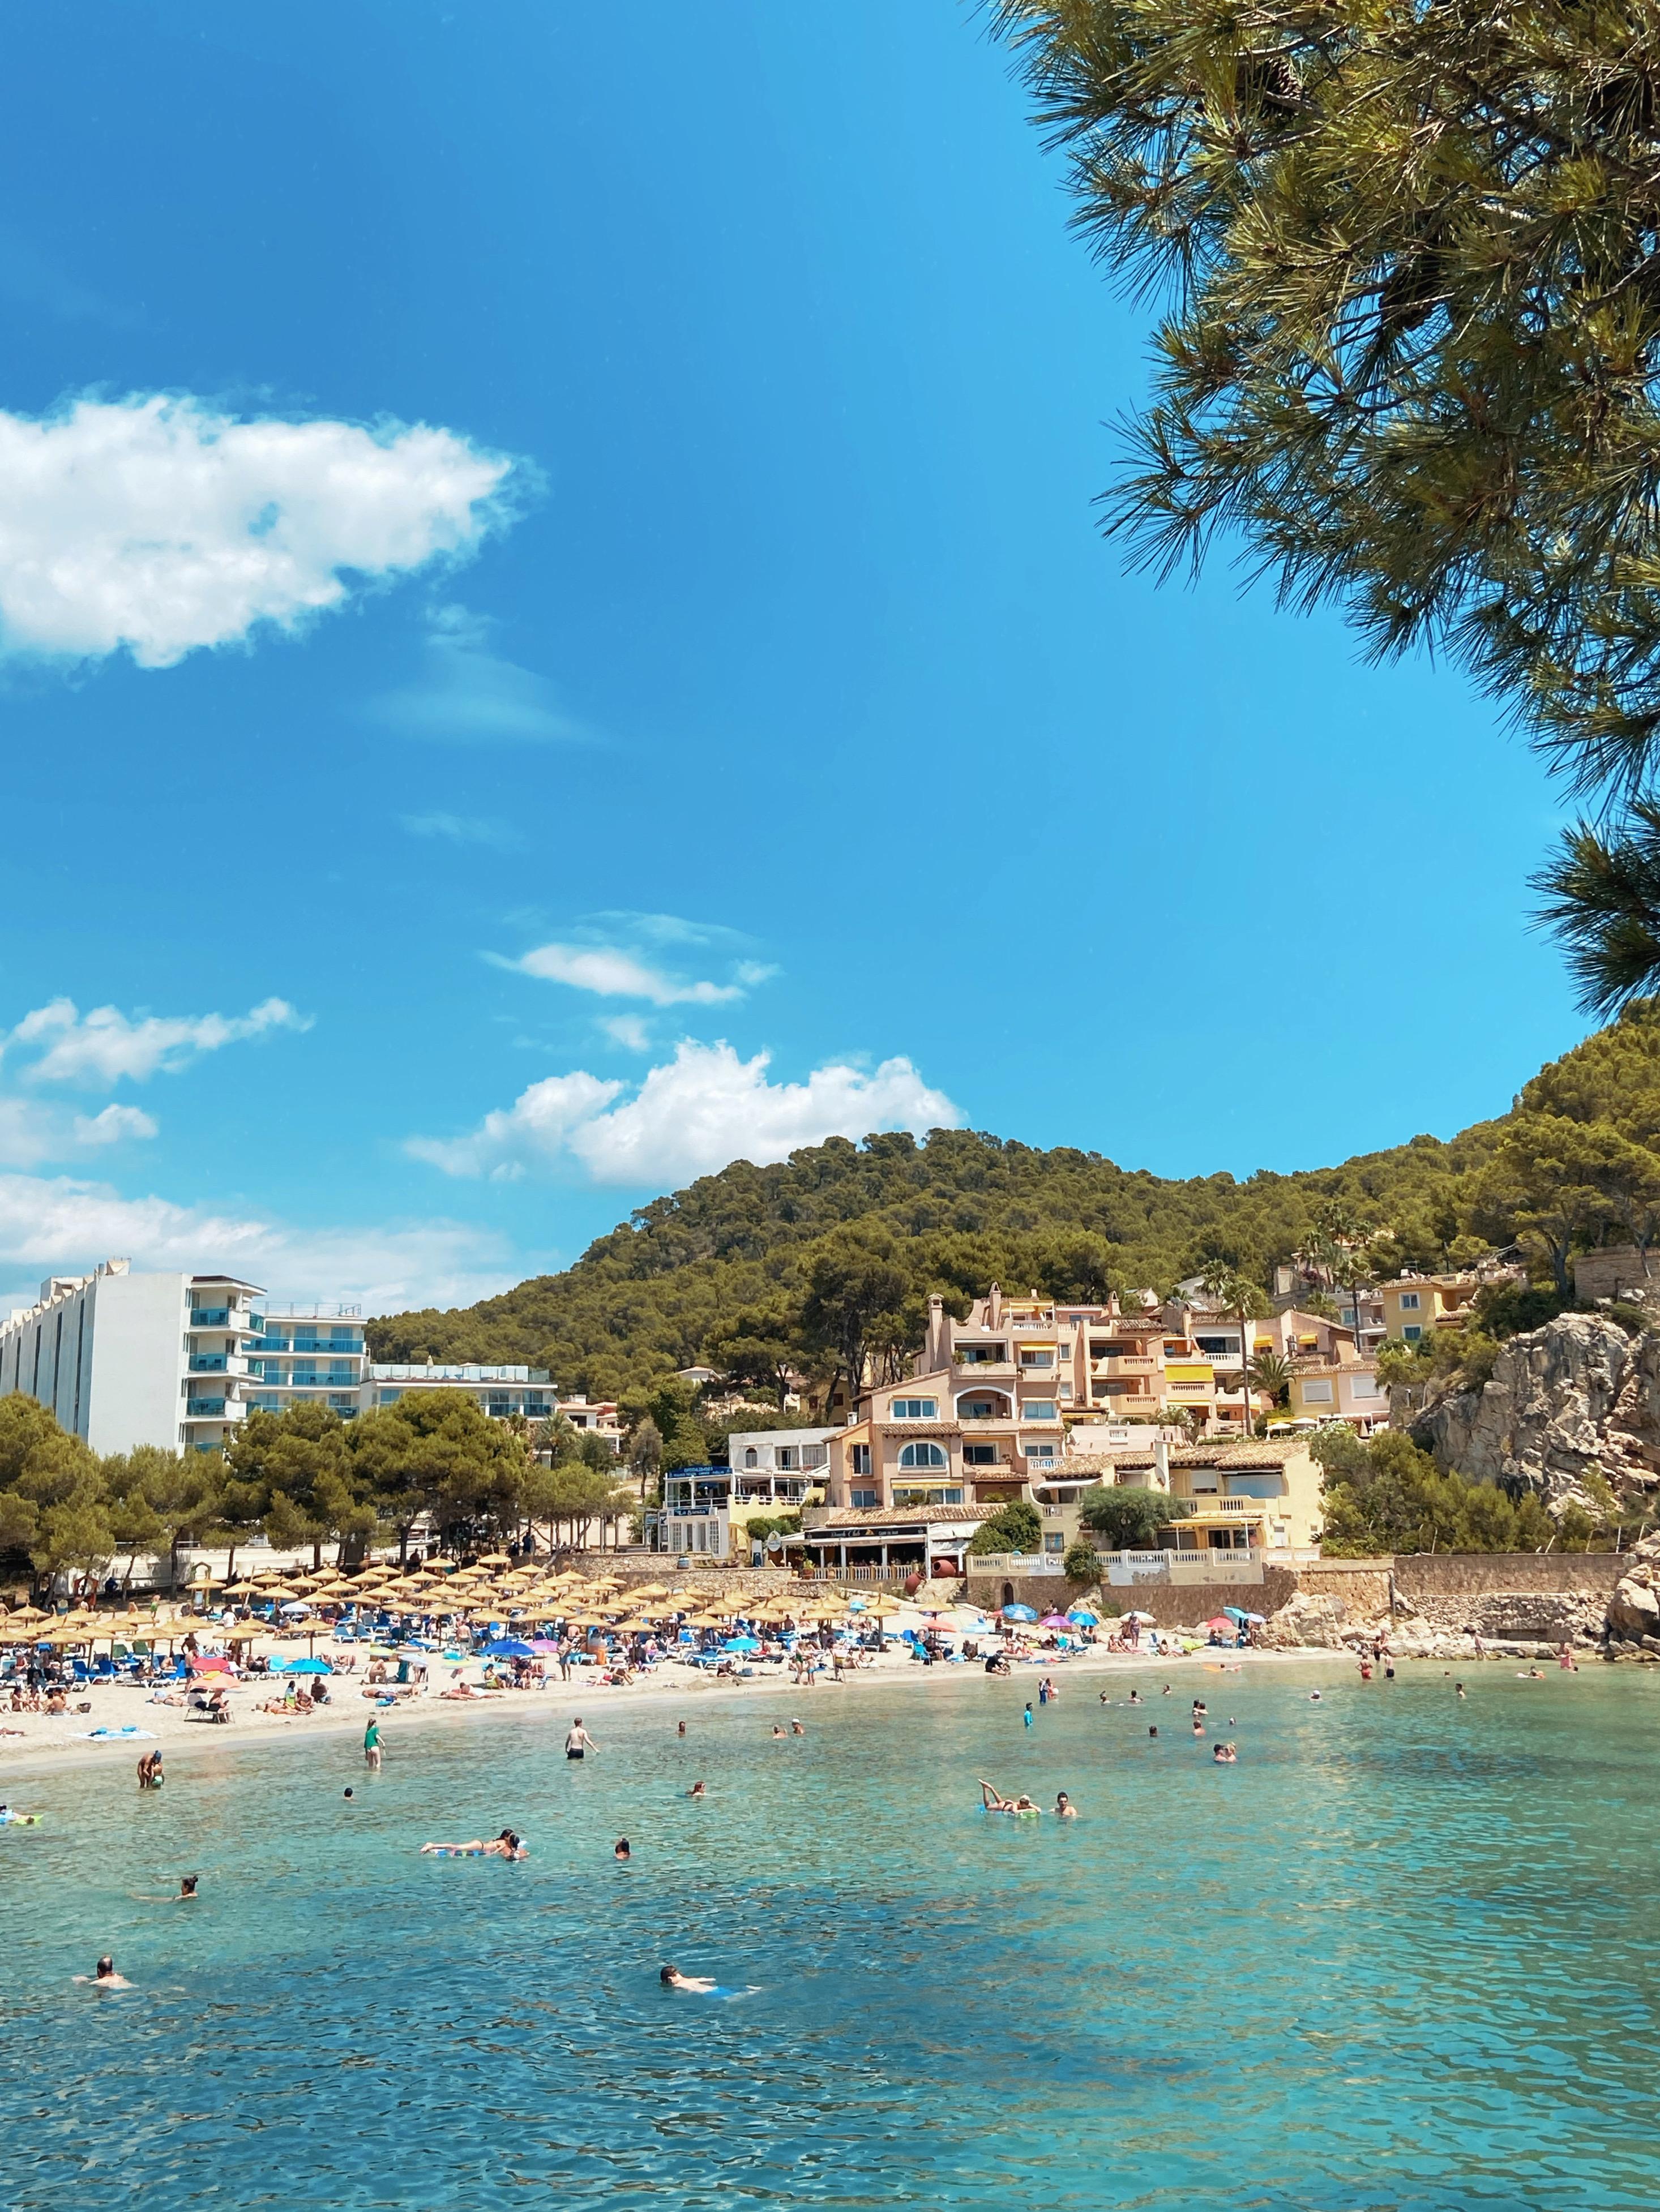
x,y
621,1852
1153,1731
699,1984
777,1733
1064,1807
1225,1755
1135,1697
187,1888
992,1801
681,1729
698,1789
1459,1687
105,1977
796,1728
1314,1697
348,1792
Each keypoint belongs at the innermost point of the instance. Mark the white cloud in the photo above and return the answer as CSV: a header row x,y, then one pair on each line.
x,y
462,829
468,694
690,1117
158,524
612,973
104,1045
60,1226
539,1124
33,1133
113,1125
629,1031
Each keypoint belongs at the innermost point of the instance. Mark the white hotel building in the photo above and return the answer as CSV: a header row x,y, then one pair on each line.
x,y
122,1359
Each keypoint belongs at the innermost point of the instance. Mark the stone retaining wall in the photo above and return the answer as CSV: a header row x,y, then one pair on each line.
x,y
1422,1575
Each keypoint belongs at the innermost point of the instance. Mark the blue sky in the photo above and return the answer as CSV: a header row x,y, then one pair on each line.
x,y
555,634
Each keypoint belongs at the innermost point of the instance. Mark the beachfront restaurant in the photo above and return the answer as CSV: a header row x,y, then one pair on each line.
x,y
888,1544
705,1509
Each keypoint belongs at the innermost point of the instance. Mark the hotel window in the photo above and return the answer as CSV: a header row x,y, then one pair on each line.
x,y
785,1457
914,1409
1411,1335
1030,1358
1038,1409
979,1454
863,1496
861,1459
1044,1450
923,1455
1408,1301
1316,1392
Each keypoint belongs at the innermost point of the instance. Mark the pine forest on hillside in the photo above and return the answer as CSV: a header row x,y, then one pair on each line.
x,y
755,1270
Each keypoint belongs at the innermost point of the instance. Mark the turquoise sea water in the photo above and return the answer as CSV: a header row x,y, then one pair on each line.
x,y
1400,1956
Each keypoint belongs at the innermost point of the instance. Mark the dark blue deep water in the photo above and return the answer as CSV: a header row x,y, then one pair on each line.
x,y
1401,1956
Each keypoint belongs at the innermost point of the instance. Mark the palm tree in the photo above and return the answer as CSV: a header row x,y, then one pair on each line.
x,y
1241,1301
1270,1372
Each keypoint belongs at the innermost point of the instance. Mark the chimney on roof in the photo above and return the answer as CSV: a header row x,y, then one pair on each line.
x,y
938,1354
994,1307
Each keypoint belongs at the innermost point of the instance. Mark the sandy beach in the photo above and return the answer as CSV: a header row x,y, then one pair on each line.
x,y
33,1744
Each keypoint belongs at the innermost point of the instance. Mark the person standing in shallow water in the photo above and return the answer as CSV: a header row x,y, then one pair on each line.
x,y
372,1744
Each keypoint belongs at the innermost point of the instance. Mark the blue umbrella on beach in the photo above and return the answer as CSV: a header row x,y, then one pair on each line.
x,y
742,1644
1234,1614
1083,1616
509,1647
1020,1613
308,1667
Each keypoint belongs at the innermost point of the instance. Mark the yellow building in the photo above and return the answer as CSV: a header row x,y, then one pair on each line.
x,y
1415,1306
1336,1391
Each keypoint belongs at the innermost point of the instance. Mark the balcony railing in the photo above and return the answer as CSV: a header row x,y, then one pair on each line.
x,y
204,1409
207,1363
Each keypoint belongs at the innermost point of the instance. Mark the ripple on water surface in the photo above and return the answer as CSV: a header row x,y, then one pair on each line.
x,y
1394,1958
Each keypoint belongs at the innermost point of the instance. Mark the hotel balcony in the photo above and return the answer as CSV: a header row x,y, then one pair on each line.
x,y
986,1371
1228,1509
1129,1362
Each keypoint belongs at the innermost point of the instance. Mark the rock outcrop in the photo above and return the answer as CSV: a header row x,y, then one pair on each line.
x,y
1634,1608
1307,1622
1577,1398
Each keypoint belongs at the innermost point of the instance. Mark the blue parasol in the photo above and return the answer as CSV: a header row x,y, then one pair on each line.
x,y
1020,1613
509,1647
742,1644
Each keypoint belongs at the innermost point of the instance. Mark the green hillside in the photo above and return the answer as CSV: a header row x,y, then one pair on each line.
x,y
755,1265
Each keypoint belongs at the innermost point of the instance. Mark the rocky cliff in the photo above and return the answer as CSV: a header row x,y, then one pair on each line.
x,y
1576,1399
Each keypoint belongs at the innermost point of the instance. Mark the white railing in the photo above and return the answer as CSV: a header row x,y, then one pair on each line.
x,y
1014,1563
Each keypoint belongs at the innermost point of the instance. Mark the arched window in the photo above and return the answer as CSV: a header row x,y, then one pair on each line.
x,y
751,1457
923,1455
